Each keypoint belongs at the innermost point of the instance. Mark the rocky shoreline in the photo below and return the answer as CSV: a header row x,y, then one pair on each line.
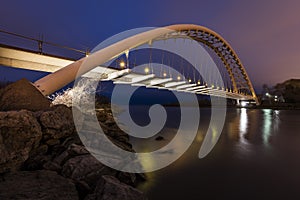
x,y
42,157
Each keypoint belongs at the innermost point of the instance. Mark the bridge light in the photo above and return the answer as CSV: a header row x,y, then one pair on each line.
x,y
165,74
244,103
198,82
146,70
178,78
122,64
190,80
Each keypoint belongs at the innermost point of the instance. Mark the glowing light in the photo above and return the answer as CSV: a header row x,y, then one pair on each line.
x,y
198,82
146,70
122,64
190,80
178,78
164,74
244,103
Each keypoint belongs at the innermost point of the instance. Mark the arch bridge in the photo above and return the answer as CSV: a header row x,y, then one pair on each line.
x,y
240,85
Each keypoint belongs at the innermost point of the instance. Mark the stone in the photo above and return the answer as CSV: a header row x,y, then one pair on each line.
x,y
75,150
43,184
128,178
37,158
73,139
57,123
110,188
110,122
52,142
53,166
60,157
86,168
159,138
83,189
36,163
22,95
20,133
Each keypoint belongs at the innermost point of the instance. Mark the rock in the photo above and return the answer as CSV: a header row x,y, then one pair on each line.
x,y
52,142
37,158
83,189
73,139
36,163
75,150
110,188
128,178
57,123
20,133
53,166
22,95
158,138
61,154
61,158
85,168
78,116
110,122
46,185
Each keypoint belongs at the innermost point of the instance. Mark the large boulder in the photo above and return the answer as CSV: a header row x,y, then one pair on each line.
x,y
110,188
20,132
44,185
22,95
86,168
57,123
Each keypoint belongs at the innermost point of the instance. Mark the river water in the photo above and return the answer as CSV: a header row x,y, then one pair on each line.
x,y
256,157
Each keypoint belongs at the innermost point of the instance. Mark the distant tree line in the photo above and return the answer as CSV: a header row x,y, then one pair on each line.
x,y
287,92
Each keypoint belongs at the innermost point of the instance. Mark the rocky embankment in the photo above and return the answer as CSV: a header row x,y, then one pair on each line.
x,y
42,157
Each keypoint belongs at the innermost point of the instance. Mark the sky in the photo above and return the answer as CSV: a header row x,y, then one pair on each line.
x,y
265,34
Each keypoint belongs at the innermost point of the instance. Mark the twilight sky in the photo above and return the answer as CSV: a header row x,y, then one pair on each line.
x,y
265,34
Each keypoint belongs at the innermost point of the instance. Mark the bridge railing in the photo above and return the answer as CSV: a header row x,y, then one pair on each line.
x,y
40,46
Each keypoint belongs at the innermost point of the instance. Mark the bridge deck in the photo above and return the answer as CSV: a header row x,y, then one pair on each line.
x,y
32,61
19,58
127,76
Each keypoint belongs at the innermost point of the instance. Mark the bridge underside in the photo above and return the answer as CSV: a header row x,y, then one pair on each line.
x,y
126,76
24,59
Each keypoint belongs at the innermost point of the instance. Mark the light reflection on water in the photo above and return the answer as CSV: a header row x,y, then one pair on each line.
x,y
256,157
271,124
267,125
243,125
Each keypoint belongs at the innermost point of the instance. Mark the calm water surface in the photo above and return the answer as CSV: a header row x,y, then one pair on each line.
x,y
256,157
